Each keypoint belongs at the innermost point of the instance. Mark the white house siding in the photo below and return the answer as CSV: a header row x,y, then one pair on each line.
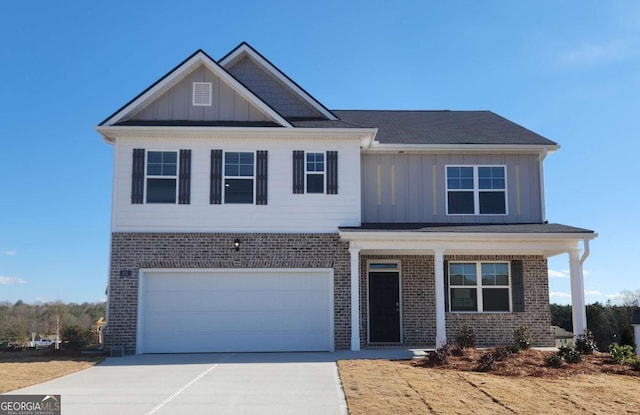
x,y
400,187
285,211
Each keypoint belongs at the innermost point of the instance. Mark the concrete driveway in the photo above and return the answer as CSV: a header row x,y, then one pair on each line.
x,y
220,383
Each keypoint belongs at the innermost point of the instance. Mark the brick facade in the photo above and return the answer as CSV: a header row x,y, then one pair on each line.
x,y
132,251
418,303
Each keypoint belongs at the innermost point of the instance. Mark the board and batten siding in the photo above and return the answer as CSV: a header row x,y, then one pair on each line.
x,y
176,103
284,211
411,188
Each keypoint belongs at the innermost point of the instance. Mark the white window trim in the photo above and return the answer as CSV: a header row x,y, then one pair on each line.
x,y
476,190
479,287
196,86
225,177
153,176
324,172
398,269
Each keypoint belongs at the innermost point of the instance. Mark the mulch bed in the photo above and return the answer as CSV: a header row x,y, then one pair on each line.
x,y
532,363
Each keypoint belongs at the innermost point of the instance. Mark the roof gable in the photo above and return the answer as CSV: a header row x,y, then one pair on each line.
x,y
273,85
170,99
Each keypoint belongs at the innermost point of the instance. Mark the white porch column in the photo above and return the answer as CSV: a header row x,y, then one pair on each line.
x,y
636,333
579,310
355,298
441,325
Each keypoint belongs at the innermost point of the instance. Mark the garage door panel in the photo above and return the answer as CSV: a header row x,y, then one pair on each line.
x,y
235,300
233,281
233,342
256,310
183,323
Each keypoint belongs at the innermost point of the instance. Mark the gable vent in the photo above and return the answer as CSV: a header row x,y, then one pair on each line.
x,y
202,94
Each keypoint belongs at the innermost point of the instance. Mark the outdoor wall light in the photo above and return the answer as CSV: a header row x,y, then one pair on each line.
x,y
236,244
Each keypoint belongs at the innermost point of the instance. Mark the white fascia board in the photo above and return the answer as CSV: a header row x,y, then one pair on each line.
x,y
463,148
198,59
444,236
110,133
245,49
485,244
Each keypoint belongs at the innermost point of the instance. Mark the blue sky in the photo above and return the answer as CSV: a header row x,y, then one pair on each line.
x,y
569,70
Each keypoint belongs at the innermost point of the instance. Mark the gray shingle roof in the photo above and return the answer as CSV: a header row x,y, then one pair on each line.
x,y
442,127
532,228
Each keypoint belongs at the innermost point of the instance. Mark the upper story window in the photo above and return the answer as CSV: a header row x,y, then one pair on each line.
x,y
202,92
161,177
479,286
476,190
315,172
239,176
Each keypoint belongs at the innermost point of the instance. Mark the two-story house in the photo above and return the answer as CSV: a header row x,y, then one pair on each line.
x,y
249,217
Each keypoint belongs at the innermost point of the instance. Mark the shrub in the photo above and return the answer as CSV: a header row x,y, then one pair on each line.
x,y
555,360
457,351
621,354
634,362
573,356
502,353
439,356
586,343
466,337
76,337
564,351
487,362
627,337
522,338
513,348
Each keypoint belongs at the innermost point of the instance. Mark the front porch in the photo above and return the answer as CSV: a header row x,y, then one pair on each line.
x,y
420,256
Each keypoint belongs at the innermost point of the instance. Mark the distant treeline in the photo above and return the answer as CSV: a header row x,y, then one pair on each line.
x,y
609,323
18,321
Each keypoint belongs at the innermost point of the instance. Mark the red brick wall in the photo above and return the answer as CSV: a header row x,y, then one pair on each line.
x,y
132,251
418,303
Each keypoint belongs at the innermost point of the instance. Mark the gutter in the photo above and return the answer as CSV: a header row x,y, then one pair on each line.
x,y
542,150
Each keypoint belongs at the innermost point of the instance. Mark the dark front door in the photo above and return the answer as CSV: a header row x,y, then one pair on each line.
x,y
384,307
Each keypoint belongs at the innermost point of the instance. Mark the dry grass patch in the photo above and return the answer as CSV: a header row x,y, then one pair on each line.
x,y
392,387
26,368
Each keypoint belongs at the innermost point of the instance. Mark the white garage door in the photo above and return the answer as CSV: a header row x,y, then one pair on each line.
x,y
235,311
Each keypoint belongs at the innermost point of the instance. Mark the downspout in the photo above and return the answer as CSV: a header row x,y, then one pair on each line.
x,y
585,253
543,210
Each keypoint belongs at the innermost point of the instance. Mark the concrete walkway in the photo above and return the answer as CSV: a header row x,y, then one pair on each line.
x,y
220,383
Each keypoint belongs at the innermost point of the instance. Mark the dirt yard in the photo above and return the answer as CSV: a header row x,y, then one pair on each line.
x,y
26,368
388,387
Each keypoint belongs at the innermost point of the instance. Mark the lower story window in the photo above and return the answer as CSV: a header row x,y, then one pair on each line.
x,y
479,286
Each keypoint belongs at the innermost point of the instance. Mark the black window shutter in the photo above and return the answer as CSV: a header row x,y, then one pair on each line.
x,y
137,176
298,172
261,177
215,183
446,285
332,172
517,285
184,178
